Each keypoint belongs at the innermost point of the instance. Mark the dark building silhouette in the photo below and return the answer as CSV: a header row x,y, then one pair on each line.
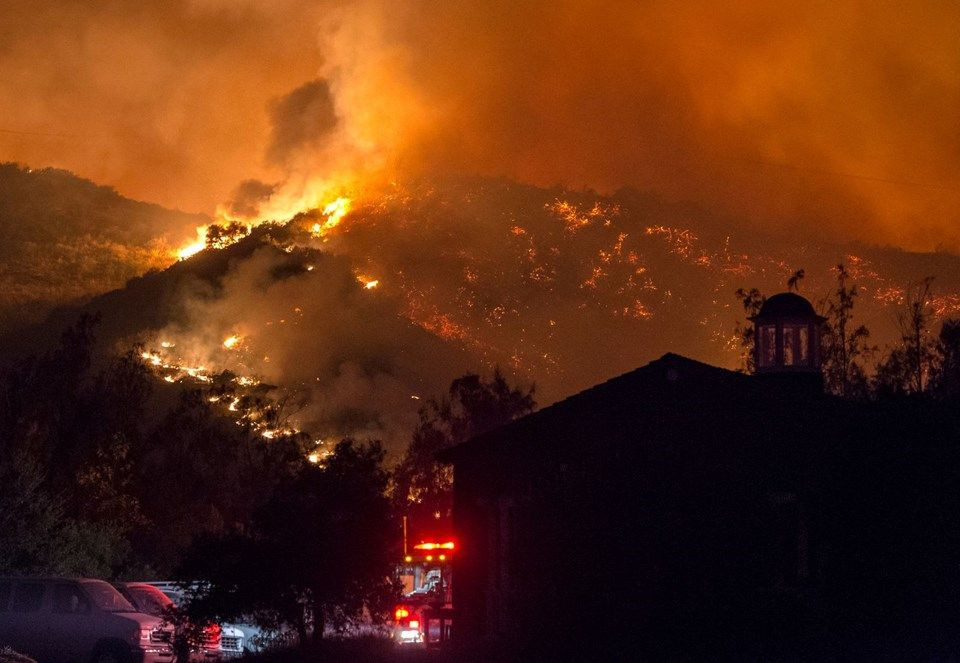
x,y
687,511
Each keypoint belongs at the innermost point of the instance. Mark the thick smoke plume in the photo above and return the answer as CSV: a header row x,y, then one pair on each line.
x,y
343,361
300,121
825,118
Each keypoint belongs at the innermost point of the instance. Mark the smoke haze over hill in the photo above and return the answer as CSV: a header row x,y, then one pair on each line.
x,y
832,119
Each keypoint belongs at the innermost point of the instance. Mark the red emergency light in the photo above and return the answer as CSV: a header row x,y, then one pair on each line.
x,y
434,546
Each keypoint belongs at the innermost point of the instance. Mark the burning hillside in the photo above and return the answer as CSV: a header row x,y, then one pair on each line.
x,y
348,314
532,277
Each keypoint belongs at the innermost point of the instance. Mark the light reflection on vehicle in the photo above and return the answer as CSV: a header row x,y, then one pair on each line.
x,y
424,615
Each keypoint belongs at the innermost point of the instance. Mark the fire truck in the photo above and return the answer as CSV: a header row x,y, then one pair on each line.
x,y
424,616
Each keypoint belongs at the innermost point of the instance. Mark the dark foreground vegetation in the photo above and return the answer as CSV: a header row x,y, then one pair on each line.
x,y
107,472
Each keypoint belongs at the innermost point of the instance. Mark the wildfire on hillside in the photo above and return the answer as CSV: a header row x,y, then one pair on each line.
x,y
526,278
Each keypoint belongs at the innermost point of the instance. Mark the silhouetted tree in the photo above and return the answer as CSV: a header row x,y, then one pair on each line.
x,y
219,236
906,369
320,551
844,344
101,479
52,426
421,486
751,300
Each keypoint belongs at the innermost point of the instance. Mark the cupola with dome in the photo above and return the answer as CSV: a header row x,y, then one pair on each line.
x,y
787,335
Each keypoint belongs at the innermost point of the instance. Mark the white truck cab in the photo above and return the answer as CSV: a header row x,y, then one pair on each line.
x,y
61,620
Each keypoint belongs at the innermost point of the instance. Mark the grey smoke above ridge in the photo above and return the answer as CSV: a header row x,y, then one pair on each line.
x,y
834,119
300,121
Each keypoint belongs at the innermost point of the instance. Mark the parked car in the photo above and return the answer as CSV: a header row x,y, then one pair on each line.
x,y
150,600
233,640
58,620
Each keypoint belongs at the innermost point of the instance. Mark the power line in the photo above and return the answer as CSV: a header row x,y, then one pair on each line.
x,y
859,176
37,133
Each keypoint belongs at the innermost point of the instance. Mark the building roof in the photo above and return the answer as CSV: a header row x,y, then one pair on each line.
x,y
669,383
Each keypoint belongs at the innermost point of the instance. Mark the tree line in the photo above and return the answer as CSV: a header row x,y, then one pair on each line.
x,y
101,476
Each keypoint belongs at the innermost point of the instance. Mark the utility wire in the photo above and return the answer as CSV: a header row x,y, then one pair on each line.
x,y
858,176
37,133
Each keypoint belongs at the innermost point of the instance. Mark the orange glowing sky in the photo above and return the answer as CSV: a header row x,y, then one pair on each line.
x,y
840,117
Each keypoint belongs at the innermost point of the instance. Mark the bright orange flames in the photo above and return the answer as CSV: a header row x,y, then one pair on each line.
x,y
194,247
333,210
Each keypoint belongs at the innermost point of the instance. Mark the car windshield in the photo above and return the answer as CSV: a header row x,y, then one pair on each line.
x,y
105,597
175,596
149,599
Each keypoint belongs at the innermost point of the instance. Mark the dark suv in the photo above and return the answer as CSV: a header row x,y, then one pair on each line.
x,y
69,619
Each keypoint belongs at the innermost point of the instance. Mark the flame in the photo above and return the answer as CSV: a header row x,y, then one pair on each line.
x,y
371,284
334,212
174,370
152,357
325,195
194,247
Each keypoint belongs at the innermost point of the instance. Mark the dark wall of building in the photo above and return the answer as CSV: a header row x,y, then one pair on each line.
x,y
714,516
